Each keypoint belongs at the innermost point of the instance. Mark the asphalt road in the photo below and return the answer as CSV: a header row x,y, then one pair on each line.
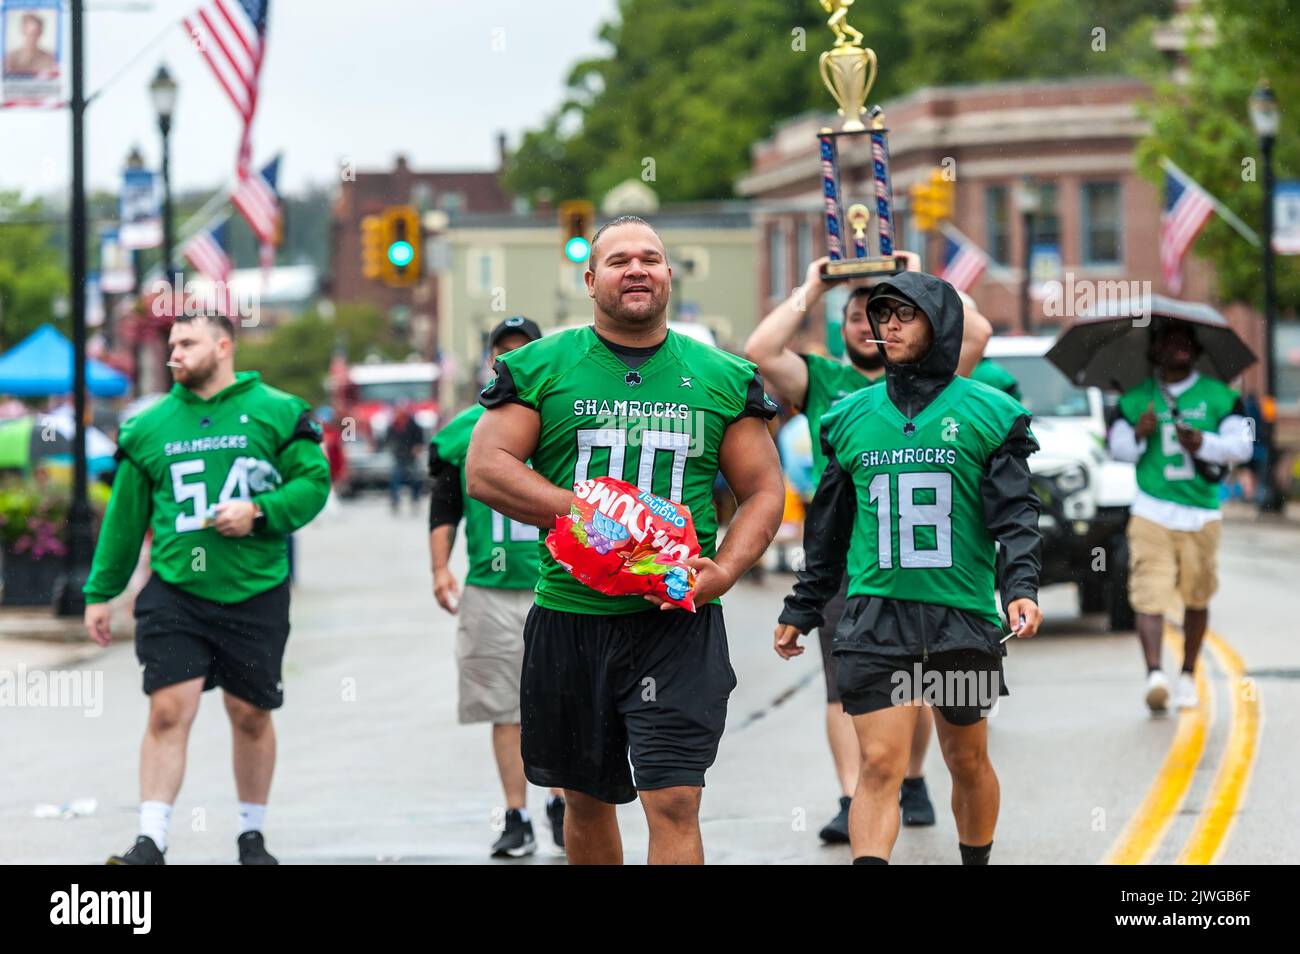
x,y
373,766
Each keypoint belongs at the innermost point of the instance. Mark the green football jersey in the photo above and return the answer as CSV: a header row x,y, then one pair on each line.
x,y
1165,470
828,382
658,426
920,533
502,552
994,375
182,457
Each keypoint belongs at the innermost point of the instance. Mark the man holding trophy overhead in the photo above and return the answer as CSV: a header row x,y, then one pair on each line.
x,y
925,476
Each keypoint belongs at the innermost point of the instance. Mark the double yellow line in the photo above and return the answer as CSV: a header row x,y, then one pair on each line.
x,y
1142,836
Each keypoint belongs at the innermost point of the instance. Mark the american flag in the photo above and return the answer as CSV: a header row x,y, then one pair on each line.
x,y
1187,208
230,35
963,262
206,252
257,202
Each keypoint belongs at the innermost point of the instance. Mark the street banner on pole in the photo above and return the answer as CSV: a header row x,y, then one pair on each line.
x,y
141,210
1286,217
115,274
31,42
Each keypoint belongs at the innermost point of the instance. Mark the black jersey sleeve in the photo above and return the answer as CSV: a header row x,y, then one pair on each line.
x,y
446,504
827,528
304,429
502,389
1011,513
757,403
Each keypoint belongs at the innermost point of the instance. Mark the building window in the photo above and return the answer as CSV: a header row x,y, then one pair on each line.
x,y
777,263
997,224
486,271
1047,223
803,245
1102,223
451,202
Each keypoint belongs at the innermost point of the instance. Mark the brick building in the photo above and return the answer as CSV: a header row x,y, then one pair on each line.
x,y
1072,141
369,192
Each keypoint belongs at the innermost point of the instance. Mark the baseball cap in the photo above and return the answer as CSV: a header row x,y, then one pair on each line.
x,y
514,325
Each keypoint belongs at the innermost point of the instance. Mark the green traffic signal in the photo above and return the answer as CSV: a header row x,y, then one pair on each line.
x,y
577,249
400,254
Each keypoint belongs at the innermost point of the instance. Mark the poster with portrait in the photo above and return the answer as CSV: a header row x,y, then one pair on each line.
x,y
31,41
141,210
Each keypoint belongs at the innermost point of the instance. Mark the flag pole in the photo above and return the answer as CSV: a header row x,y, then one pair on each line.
x,y
1225,213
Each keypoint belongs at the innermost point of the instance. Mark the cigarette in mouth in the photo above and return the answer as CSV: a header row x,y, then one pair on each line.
x,y
172,364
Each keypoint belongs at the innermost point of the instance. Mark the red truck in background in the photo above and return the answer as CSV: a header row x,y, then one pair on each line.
x,y
366,396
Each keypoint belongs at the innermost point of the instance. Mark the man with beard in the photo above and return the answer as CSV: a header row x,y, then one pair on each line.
x,y
923,477
221,470
1173,529
813,384
617,699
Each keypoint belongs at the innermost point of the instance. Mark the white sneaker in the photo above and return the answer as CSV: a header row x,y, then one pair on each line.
x,y
1186,696
1157,691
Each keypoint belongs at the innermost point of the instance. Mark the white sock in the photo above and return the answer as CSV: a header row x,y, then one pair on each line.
x,y
251,817
154,818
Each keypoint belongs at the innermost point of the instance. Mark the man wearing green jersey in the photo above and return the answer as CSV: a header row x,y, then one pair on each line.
x,y
923,476
220,470
493,605
813,384
618,699
1173,424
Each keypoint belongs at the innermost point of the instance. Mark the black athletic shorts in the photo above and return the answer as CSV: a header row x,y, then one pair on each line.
x,y
963,684
826,637
612,705
237,646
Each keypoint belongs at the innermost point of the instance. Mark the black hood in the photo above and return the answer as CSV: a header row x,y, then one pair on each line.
x,y
913,386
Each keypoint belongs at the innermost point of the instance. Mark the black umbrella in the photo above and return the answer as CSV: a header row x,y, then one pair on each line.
x,y
1107,347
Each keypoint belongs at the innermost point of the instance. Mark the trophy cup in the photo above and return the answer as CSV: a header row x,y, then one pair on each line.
x,y
849,71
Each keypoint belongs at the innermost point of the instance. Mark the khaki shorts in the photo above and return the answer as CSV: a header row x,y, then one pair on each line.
x,y
490,653
1166,566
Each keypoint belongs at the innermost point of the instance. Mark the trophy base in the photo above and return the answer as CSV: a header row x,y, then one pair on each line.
x,y
868,267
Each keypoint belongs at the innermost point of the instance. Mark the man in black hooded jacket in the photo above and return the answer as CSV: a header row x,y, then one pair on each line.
x,y
924,476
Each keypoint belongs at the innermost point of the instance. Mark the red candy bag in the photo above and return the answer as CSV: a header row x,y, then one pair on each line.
x,y
624,541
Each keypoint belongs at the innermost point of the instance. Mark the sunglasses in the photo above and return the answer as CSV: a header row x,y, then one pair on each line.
x,y
880,314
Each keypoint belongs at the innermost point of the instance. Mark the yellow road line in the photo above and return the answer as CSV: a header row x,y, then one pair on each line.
x,y
1138,842
1210,834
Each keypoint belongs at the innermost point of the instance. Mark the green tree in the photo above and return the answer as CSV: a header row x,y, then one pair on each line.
x,y
1204,127
295,356
691,84
32,276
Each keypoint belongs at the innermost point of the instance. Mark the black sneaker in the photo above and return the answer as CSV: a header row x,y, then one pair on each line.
x,y
555,815
836,831
143,852
915,802
517,840
252,850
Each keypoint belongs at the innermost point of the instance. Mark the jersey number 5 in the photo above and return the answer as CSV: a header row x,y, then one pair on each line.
x,y
912,515
235,488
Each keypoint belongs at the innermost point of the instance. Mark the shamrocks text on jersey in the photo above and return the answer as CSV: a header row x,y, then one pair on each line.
x,y
185,455
920,532
1165,470
502,552
658,426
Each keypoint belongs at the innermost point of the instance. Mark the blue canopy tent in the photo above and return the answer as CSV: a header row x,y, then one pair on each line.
x,y
41,364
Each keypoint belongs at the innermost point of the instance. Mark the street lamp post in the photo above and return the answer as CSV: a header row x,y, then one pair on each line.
x,y
1027,202
163,92
1264,117
70,600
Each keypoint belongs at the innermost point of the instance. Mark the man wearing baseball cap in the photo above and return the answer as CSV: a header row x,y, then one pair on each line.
x,y
493,605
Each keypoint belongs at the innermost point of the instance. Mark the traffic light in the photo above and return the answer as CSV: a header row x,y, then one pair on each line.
x,y
372,246
941,192
401,263
576,219
922,206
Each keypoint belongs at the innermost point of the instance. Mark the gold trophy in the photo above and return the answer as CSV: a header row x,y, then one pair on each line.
x,y
849,72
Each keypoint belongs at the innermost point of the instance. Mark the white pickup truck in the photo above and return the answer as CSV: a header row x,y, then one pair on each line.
x,y
1085,494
